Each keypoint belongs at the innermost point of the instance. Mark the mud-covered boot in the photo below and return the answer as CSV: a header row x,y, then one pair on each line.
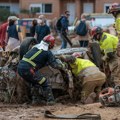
x,y
91,98
49,96
35,100
34,95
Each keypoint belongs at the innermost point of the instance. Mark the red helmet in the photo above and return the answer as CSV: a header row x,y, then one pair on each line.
x,y
50,40
96,30
115,7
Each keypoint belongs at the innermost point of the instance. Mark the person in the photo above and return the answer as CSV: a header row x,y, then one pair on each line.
x,y
33,27
13,34
64,30
54,26
3,29
42,17
111,29
88,75
41,29
114,9
108,45
36,58
84,39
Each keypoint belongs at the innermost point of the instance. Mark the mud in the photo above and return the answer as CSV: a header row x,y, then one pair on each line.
x,y
28,112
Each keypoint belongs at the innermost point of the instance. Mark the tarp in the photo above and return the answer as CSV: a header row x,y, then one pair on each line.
x,y
88,116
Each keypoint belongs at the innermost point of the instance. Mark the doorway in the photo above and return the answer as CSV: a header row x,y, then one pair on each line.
x,y
71,9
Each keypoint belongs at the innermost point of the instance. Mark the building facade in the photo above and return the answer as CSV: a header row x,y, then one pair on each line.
x,y
54,8
11,5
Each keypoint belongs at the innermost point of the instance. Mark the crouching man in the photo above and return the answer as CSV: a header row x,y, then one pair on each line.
x,y
36,58
91,77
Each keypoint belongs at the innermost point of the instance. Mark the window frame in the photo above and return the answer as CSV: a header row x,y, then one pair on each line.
x,y
8,7
106,5
42,6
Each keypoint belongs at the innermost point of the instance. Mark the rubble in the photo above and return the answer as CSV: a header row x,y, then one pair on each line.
x,y
15,87
12,87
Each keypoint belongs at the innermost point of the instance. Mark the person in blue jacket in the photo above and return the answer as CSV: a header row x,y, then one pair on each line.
x,y
36,58
64,30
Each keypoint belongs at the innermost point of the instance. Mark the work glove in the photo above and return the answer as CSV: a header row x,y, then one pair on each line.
x,y
61,65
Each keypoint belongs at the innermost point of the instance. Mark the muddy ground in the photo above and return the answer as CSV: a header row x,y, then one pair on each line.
x,y
28,112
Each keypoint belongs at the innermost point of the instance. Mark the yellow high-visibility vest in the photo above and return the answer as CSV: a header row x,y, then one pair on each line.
x,y
108,43
117,24
79,65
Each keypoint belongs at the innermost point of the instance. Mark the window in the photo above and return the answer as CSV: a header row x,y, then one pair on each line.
x,y
106,7
48,8
88,8
41,8
5,7
35,9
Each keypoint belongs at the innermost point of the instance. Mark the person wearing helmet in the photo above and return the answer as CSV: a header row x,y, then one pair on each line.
x,y
90,77
36,58
115,11
108,45
13,35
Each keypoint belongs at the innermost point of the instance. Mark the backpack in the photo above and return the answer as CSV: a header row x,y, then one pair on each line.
x,y
58,24
81,29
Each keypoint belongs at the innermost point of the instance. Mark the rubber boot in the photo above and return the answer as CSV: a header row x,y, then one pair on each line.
x,y
47,92
34,95
49,96
91,98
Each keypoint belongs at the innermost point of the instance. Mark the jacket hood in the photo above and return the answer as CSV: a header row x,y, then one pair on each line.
x,y
42,46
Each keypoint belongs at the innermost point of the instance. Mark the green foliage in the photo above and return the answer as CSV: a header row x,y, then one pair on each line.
x,y
24,11
4,14
35,10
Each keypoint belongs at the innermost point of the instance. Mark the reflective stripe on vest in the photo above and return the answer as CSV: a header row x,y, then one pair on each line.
x,y
42,80
29,60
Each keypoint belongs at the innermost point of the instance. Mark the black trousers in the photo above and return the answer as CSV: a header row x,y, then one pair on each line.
x,y
84,43
33,77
